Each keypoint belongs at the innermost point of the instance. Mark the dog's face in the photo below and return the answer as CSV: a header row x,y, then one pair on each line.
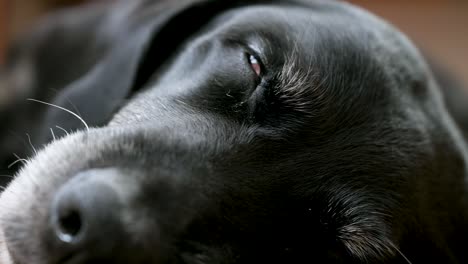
x,y
277,132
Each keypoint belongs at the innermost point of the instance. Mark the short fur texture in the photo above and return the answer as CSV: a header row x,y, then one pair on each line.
x,y
341,151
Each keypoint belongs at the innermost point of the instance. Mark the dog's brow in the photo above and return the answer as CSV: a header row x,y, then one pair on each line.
x,y
292,78
295,82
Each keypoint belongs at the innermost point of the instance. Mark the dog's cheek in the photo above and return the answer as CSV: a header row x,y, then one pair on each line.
x,y
366,244
362,229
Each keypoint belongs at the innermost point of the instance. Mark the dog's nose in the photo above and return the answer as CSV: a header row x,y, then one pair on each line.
x,y
86,212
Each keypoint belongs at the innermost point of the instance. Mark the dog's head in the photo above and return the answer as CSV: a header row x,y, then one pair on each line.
x,y
236,132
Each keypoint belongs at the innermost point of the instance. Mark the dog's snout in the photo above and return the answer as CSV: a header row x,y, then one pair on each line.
x,y
85,212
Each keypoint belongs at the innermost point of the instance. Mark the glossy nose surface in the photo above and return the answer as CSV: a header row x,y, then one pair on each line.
x,y
86,213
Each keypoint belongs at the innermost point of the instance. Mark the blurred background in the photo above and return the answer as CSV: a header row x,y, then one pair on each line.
x,y
439,27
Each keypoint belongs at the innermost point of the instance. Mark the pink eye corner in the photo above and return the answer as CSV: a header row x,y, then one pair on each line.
x,y
255,64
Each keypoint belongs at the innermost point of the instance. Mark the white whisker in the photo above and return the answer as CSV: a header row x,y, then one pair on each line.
x,y
64,109
74,107
52,132
16,161
30,143
63,129
401,253
16,155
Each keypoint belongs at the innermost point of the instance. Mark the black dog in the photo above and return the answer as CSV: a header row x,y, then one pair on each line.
x,y
229,132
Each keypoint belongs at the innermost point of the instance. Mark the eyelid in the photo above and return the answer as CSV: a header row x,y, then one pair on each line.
x,y
255,51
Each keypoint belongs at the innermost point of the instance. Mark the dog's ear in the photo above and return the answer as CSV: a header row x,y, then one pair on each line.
x,y
147,36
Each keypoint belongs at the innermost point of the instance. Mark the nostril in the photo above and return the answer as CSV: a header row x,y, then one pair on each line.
x,y
69,225
85,214
70,215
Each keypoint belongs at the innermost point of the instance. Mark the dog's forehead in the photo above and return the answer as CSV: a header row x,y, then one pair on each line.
x,y
338,46
306,24
329,28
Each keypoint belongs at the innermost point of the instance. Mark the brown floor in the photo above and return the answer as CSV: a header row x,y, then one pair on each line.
x,y
3,27
439,27
16,16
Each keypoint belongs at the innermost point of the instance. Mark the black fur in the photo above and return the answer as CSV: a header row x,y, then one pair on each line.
x,y
342,151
